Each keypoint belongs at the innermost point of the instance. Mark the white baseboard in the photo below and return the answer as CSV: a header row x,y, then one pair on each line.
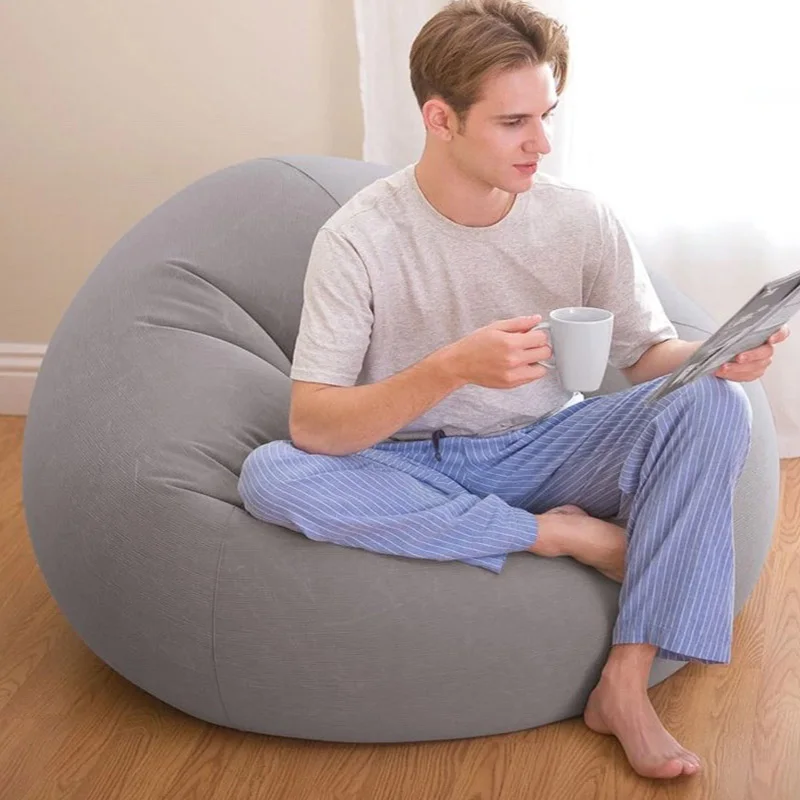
x,y
19,367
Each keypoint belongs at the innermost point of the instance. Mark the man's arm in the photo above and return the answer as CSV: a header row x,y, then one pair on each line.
x,y
659,360
339,420
664,357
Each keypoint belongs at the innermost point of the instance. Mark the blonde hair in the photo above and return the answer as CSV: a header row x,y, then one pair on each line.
x,y
459,47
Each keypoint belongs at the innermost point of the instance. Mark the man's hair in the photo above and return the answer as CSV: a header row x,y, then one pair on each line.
x,y
458,48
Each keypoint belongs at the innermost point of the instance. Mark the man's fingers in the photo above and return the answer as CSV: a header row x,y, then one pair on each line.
x,y
533,354
517,324
533,339
780,336
757,354
765,350
743,372
526,374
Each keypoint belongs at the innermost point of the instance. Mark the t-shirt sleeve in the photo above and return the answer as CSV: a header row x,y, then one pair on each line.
x,y
623,286
336,321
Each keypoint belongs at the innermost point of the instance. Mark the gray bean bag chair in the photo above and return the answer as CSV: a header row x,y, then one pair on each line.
x,y
168,368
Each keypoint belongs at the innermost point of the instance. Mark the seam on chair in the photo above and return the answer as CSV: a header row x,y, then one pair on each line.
x,y
186,267
146,323
214,621
706,333
690,325
311,178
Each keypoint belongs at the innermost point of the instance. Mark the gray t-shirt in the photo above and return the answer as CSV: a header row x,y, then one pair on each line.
x,y
390,280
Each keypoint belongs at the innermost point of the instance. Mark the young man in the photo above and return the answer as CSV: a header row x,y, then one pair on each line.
x,y
422,423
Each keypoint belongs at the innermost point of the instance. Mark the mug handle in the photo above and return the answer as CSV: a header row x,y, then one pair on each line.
x,y
545,326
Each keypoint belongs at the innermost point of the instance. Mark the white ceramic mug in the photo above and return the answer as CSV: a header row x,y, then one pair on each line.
x,y
580,337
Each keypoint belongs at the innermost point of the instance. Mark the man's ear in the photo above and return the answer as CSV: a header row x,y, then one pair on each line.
x,y
439,118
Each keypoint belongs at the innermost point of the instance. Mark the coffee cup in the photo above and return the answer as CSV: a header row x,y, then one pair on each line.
x,y
580,337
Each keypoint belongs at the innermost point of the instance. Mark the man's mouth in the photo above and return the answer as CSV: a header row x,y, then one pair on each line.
x,y
527,169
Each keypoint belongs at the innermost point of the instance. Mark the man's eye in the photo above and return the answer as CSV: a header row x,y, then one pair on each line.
x,y
515,124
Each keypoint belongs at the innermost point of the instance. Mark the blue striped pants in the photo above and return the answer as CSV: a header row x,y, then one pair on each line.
x,y
668,470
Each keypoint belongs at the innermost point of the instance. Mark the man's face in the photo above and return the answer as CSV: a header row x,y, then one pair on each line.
x,y
509,129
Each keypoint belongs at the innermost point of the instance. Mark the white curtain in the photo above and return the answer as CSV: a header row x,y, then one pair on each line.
x,y
684,116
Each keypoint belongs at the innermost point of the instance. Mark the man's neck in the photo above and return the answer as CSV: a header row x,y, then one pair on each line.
x,y
458,198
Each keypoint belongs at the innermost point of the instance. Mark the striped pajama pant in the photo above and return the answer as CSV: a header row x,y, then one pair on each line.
x,y
668,470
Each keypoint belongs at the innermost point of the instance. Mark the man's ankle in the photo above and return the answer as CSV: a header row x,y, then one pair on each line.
x,y
629,664
550,540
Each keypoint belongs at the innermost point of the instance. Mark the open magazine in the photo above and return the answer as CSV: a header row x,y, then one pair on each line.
x,y
761,316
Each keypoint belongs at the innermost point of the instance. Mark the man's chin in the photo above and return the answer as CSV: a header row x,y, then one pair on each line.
x,y
513,184
520,185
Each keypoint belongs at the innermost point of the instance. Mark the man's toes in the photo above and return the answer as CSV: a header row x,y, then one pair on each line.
x,y
692,762
688,755
669,769
566,510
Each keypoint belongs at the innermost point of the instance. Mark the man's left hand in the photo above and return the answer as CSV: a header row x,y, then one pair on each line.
x,y
752,364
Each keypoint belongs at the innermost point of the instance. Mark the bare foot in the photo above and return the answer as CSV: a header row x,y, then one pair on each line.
x,y
629,715
594,542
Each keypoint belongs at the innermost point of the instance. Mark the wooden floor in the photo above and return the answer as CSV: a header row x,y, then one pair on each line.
x,y
72,728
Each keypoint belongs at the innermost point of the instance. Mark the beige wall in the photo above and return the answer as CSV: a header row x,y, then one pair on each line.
x,y
108,107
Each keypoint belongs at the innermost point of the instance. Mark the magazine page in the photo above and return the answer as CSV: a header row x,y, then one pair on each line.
x,y
770,308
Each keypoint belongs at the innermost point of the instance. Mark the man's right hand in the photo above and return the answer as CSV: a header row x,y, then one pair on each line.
x,y
502,355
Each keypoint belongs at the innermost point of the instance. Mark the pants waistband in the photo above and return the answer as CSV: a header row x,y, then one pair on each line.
x,y
419,436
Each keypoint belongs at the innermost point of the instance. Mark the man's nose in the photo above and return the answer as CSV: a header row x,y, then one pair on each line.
x,y
540,143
